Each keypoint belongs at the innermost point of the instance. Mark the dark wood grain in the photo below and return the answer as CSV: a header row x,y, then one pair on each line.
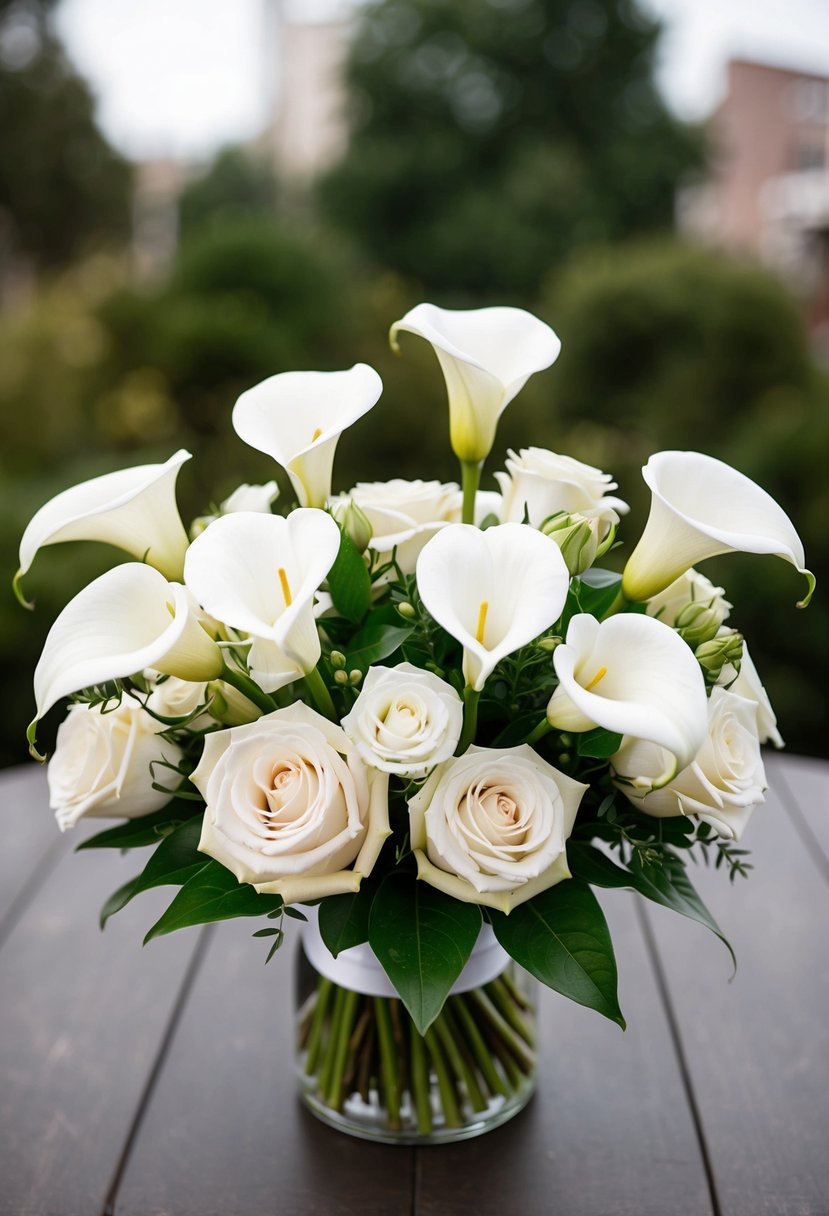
x,y
758,1048
83,1016
224,1134
802,784
31,840
609,1130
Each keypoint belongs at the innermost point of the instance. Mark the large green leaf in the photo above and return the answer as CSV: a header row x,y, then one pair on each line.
x,y
173,863
146,829
598,743
562,938
374,643
343,920
423,939
671,887
667,885
349,582
213,893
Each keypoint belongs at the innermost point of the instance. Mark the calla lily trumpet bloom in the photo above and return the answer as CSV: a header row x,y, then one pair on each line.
x,y
634,676
297,418
487,355
701,507
134,509
493,591
128,619
259,574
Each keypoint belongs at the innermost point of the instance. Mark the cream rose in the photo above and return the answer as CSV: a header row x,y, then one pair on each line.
x,y
749,685
541,483
101,764
693,605
404,514
291,808
490,826
405,720
721,785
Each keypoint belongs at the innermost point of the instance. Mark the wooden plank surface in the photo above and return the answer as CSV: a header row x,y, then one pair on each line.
x,y
82,1019
96,1044
802,783
758,1047
609,1129
224,1134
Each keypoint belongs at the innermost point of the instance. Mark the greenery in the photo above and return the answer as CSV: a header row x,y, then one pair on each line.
x,y
492,138
63,189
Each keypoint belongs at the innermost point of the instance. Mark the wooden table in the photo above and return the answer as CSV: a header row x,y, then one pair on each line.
x,y
153,1081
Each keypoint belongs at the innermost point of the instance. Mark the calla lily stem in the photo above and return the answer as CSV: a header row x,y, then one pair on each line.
x,y
470,719
245,685
319,694
470,480
539,732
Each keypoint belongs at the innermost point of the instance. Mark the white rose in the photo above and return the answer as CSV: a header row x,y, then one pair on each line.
x,y
490,826
405,720
172,697
724,781
290,806
244,498
692,604
542,483
101,764
404,514
749,685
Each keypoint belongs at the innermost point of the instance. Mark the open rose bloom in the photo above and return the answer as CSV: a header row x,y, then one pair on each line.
x,y
413,721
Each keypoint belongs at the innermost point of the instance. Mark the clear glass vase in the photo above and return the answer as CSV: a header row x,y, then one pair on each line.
x,y
363,1068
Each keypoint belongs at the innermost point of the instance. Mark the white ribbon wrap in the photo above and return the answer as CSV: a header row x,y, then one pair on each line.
x,y
359,970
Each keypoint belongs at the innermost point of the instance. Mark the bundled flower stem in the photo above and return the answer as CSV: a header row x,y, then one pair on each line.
x,y
364,1055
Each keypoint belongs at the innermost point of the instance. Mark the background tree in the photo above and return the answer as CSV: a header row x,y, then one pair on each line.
x,y
491,138
63,190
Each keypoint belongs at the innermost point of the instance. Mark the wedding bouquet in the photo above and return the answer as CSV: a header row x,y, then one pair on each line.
x,y
418,717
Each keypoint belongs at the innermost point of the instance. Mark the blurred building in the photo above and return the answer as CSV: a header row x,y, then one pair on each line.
x,y
768,189
158,186
308,129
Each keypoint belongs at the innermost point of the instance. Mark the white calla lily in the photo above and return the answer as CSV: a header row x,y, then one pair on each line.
x,y
701,507
260,573
487,355
297,418
493,591
634,676
134,509
128,619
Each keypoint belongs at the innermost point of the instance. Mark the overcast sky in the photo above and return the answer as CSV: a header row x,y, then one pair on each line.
x,y
183,77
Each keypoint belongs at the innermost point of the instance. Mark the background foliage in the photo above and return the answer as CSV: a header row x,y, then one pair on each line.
x,y
561,201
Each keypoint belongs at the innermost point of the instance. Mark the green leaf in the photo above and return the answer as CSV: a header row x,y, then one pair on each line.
x,y
212,894
174,862
562,938
671,887
349,581
667,885
593,866
343,919
147,829
423,939
598,743
519,730
373,643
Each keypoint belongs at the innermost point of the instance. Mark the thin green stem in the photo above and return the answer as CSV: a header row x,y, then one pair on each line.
x,y
617,605
539,732
342,1034
523,1055
319,694
248,687
329,1052
448,1097
470,719
388,1060
420,1085
477,1046
470,480
504,1003
459,1065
